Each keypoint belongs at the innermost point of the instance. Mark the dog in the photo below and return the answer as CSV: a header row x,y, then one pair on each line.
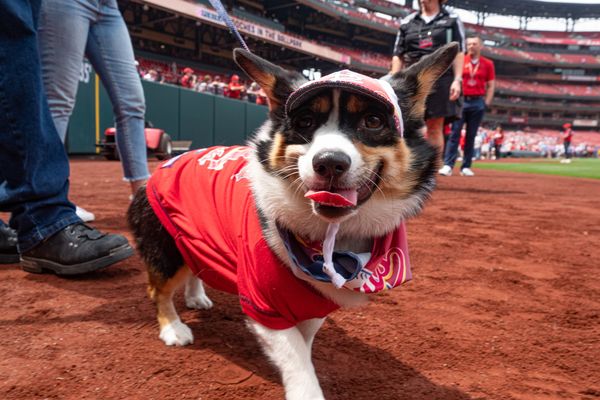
x,y
346,151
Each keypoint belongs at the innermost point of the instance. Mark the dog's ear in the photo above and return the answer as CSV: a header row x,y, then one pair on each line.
x,y
277,82
415,83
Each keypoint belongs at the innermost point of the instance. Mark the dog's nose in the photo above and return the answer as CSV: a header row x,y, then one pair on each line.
x,y
331,164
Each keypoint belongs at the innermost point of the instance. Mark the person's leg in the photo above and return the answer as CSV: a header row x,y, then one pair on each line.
x,y
453,141
473,117
435,134
63,32
110,52
35,169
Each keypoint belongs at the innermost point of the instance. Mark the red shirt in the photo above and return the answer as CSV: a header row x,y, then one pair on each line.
x,y
498,137
186,81
203,199
235,91
475,76
567,136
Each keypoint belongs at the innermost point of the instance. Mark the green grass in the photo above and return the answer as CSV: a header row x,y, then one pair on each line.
x,y
580,168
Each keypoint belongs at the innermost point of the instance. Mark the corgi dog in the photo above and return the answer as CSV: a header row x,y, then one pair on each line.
x,y
305,219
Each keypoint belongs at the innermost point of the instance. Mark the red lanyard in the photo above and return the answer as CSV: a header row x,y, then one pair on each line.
x,y
473,72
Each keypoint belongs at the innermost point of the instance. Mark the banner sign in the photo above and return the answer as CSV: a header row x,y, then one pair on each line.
x,y
517,120
255,30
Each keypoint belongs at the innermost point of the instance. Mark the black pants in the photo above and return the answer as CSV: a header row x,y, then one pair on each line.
x,y
498,152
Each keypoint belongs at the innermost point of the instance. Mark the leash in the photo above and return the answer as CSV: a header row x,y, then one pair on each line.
x,y
218,6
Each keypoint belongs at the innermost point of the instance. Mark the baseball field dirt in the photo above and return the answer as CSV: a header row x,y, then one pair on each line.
x,y
504,304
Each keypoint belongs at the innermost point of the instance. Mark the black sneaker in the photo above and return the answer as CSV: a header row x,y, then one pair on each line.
x,y
76,249
9,254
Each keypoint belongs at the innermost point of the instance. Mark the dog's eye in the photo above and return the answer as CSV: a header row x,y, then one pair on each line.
x,y
373,121
304,122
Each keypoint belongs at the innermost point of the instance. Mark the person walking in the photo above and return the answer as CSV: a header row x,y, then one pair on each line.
x,y
477,146
34,174
498,139
70,29
478,89
420,34
567,137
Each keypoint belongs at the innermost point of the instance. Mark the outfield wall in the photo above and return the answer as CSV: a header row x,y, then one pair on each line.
x,y
203,118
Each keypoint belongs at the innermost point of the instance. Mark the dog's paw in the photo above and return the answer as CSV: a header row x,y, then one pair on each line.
x,y
176,333
201,302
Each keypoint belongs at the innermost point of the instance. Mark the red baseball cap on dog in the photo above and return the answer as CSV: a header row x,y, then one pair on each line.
x,y
350,81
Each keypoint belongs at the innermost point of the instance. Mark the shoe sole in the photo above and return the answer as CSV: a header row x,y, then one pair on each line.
x,y
38,265
9,258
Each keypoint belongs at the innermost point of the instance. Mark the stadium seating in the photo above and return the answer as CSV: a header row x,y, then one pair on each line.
x,y
550,58
366,57
520,86
517,53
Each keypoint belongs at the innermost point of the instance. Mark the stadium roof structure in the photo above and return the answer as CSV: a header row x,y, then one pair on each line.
x,y
530,8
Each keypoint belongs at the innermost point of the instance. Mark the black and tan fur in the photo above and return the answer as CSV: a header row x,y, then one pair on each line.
x,y
395,177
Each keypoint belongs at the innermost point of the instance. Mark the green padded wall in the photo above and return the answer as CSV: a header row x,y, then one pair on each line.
x,y
204,119
81,134
162,107
107,118
196,118
230,121
255,116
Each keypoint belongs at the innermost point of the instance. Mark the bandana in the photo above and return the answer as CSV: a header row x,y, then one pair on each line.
x,y
386,267
350,81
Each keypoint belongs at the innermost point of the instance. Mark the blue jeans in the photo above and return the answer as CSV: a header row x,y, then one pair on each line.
x,y
34,169
68,30
567,146
472,115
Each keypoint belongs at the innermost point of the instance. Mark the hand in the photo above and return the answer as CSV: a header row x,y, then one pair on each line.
x,y
455,90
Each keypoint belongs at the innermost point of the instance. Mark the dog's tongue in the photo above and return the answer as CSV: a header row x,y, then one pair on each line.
x,y
341,198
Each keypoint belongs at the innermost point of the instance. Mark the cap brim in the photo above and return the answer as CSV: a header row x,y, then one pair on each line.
x,y
297,98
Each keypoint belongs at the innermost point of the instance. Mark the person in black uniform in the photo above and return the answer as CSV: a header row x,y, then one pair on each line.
x,y
422,33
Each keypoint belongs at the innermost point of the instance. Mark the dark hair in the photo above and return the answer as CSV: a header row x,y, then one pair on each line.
x,y
440,3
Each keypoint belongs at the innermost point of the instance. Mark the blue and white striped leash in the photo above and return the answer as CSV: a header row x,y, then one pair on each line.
x,y
218,6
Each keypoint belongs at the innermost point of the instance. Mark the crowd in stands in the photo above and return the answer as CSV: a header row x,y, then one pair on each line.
x,y
228,86
545,142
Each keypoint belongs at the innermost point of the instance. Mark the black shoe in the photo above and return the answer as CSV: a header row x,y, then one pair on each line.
x,y
76,249
9,254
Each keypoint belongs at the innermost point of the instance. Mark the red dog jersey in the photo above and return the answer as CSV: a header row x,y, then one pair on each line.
x,y
203,200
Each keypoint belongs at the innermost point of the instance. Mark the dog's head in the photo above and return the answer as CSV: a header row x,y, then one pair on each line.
x,y
347,145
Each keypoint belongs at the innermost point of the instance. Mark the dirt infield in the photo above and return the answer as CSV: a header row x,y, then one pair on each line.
x,y
504,304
